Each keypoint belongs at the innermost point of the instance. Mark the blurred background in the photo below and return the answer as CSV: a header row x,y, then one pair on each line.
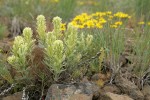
x,y
26,11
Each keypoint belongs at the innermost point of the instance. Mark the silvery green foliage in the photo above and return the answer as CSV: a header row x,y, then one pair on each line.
x,y
57,26
54,48
71,39
41,29
61,48
22,48
54,58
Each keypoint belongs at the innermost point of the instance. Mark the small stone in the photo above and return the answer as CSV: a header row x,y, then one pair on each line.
x,y
112,88
118,97
129,88
146,92
75,91
16,96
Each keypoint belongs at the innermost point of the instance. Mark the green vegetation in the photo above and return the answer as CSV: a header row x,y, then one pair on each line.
x,y
142,9
2,31
79,44
141,59
22,48
67,6
63,51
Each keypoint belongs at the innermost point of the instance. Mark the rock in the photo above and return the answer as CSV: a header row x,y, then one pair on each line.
x,y
113,96
80,97
112,88
100,79
128,88
74,91
101,76
85,80
147,97
146,92
103,96
16,96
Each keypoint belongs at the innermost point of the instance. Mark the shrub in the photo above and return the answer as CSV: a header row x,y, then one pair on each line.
x,y
65,50
141,59
22,48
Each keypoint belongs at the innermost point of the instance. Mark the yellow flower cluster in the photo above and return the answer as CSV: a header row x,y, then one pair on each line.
x,y
99,19
56,1
144,23
63,26
87,2
51,1
141,23
122,15
116,24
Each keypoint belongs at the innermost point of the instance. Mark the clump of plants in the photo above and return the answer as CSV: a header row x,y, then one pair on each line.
x,y
22,48
63,51
100,20
141,61
109,32
66,52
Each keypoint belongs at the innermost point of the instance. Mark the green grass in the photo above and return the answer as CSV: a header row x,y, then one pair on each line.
x,y
29,9
65,9
2,31
111,39
142,9
142,50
